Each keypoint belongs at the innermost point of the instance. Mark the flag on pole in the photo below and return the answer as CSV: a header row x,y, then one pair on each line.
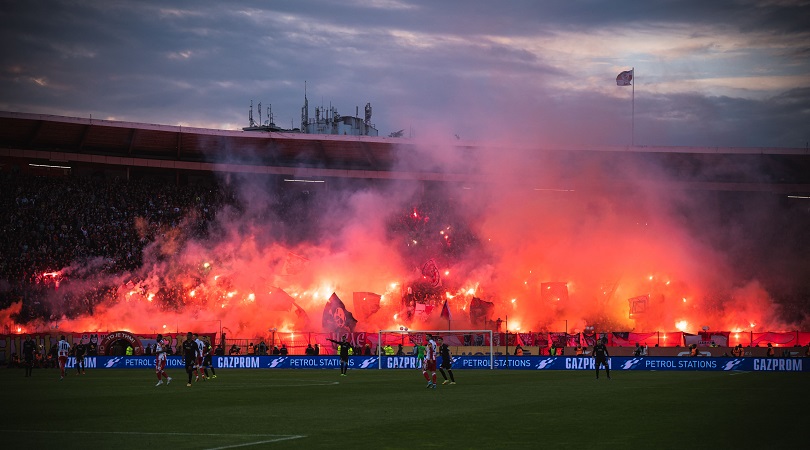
x,y
445,311
625,78
336,317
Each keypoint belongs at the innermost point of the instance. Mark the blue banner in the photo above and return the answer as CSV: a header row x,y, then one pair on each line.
x,y
462,362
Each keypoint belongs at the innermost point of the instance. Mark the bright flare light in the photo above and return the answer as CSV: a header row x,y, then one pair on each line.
x,y
682,325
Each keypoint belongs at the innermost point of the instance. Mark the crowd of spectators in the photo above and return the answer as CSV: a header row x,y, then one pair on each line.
x,y
50,223
60,229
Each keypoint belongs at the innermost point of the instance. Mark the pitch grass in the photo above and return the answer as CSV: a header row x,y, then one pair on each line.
x,y
392,409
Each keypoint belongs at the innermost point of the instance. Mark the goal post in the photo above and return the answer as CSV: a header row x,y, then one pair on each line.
x,y
453,338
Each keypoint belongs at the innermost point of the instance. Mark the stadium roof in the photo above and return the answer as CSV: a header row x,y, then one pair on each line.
x,y
44,138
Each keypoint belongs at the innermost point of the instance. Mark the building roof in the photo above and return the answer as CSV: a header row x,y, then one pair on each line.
x,y
90,141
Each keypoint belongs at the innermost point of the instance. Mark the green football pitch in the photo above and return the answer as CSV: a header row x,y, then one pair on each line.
x,y
123,409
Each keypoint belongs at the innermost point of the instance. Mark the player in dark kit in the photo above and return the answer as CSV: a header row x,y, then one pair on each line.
x,y
29,347
447,362
207,363
601,356
80,350
343,350
190,355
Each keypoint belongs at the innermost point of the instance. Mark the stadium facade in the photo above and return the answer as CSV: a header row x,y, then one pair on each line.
x,y
126,149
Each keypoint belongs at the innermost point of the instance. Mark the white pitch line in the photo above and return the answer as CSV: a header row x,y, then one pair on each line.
x,y
244,385
247,444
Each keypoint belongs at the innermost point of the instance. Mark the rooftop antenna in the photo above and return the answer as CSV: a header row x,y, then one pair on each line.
x,y
250,115
270,115
260,113
305,110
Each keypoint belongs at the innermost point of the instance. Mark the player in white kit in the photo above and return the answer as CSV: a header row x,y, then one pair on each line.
x,y
160,360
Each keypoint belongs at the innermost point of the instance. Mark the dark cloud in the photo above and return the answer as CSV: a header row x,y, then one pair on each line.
x,y
421,64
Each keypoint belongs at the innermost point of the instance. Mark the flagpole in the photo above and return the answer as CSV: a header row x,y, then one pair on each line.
x,y
633,114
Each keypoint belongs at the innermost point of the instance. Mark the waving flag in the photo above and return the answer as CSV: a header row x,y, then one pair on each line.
x,y
430,272
294,264
366,304
480,311
625,78
336,317
445,311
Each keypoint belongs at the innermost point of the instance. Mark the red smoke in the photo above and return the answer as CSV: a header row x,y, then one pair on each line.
x,y
530,226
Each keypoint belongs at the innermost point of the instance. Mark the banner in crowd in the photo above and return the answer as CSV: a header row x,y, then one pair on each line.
x,y
626,339
708,339
775,338
462,362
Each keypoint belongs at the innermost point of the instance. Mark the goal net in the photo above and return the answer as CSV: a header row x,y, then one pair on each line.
x,y
460,341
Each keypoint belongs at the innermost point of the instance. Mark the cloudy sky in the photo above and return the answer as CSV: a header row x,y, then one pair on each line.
x,y
719,73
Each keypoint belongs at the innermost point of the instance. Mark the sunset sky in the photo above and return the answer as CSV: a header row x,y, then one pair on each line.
x,y
720,73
